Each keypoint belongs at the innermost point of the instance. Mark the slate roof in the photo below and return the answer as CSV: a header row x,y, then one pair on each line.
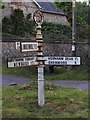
x,y
46,6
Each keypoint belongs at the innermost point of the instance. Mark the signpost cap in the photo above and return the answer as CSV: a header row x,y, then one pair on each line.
x,y
38,17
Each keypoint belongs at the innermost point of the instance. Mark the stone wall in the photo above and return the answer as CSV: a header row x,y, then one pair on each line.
x,y
50,49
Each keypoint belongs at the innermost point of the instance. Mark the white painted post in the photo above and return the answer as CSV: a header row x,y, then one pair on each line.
x,y
41,100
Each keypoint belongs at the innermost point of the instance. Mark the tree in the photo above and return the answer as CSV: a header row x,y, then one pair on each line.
x,y
67,6
17,22
82,20
6,25
83,10
28,25
2,4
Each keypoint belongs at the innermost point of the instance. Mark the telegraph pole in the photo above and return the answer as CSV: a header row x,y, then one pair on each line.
x,y
73,28
38,17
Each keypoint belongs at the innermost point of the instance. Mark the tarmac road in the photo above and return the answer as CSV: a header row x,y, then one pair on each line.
x,y
72,83
6,80
12,79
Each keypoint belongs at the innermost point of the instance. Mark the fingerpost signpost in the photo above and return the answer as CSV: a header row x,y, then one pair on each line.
x,y
40,60
38,17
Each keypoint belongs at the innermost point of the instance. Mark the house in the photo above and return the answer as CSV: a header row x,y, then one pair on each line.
x,y
50,11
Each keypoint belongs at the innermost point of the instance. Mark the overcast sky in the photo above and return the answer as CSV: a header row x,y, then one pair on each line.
x,y
82,0
45,0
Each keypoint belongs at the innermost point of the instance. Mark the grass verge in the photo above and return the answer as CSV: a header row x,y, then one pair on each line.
x,y
21,102
60,73
1,66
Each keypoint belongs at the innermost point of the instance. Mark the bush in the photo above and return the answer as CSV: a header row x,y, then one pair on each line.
x,y
17,24
34,86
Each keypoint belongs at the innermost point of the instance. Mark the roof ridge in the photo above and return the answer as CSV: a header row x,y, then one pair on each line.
x,y
37,4
48,6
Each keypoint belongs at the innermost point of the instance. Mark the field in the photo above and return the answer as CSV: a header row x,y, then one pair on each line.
x,y
21,102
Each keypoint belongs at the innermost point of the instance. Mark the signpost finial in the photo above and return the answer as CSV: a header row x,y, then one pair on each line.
x,y
38,17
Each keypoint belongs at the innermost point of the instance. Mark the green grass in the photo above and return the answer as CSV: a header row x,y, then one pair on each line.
x,y
30,72
7,35
60,73
78,73
11,36
0,66
22,102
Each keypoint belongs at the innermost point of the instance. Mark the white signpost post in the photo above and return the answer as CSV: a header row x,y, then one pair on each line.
x,y
38,18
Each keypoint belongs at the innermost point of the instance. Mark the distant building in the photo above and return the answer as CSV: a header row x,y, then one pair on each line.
x,y
50,11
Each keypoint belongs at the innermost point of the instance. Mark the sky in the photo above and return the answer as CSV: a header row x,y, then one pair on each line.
x,y
47,0
83,0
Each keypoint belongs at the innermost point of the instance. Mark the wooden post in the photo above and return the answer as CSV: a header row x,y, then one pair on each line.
x,y
73,28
